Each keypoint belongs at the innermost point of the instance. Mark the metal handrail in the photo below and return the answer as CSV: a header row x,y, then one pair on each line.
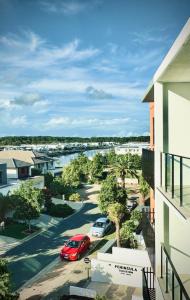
x,y
176,274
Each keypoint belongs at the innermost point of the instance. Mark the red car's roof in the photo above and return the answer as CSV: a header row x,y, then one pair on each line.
x,y
77,237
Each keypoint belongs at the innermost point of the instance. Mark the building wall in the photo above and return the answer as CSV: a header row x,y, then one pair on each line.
x,y
3,171
12,173
178,96
172,123
151,105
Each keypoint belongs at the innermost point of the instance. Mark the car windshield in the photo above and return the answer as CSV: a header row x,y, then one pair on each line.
x,y
99,224
72,244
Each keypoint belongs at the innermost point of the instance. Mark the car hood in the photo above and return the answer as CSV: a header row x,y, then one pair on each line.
x,y
68,250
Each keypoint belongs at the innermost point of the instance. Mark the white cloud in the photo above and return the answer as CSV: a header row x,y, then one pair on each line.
x,y
6,104
150,36
93,93
28,41
117,89
20,121
68,7
31,52
28,99
56,122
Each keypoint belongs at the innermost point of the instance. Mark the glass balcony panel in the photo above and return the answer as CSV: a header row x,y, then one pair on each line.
x,y
186,182
169,278
176,289
177,177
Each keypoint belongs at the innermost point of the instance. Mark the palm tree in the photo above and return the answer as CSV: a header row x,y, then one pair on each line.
x,y
115,213
124,167
144,189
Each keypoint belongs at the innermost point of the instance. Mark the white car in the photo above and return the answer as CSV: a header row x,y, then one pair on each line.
x,y
101,227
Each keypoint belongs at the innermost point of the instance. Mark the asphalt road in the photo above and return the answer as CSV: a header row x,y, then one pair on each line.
x,y
30,257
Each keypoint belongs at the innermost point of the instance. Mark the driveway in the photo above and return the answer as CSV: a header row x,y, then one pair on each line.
x,y
30,257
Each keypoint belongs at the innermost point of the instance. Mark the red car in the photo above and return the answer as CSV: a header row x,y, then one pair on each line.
x,y
75,246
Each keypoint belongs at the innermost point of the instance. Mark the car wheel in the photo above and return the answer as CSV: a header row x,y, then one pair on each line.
x,y
78,256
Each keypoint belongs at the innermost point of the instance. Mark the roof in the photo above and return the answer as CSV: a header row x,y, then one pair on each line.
x,y
41,160
26,156
104,219
14,163
176,64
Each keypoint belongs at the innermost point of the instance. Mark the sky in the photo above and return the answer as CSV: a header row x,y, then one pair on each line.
x,y
81,67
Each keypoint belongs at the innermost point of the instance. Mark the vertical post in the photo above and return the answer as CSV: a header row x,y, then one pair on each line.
x,y
161,263
166,171
181,296
173,295
166,275
172,176
181,181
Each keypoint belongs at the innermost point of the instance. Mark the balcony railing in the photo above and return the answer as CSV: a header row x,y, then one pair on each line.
x,y
175,178
172,281
148,166
148,284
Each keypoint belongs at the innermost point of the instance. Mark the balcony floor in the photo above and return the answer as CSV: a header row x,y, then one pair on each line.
x,y
185,209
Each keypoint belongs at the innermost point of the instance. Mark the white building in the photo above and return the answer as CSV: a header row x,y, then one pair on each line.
x,y
132,148
170,92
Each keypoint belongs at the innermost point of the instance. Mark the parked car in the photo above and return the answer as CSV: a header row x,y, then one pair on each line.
x,y
75,247
101,227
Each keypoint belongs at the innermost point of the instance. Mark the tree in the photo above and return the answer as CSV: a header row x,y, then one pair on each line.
x,y
110,157
124,167
5,286
116,213
83,163
72,174
126,234
110,193
144,189
4,205
75,197
29,202
48,179
97,167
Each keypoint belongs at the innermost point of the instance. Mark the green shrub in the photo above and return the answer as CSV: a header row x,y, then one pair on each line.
x,y
75,197
59,210
136,215
127,237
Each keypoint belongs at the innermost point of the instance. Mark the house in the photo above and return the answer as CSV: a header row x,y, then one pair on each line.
x,y
17,169
3,174
35,159
169,93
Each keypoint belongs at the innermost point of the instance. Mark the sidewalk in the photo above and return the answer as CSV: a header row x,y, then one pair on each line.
x,y
7,243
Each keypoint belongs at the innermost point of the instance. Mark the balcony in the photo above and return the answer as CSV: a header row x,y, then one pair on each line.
x,y
175,181
148,166
172,285
148,284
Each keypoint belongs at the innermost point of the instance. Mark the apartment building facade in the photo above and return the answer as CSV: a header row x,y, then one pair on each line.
x,y
169,93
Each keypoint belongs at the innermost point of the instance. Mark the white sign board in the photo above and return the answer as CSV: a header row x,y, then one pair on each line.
x,y
117,273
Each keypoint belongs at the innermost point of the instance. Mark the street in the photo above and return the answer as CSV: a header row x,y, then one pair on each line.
x,y
30,257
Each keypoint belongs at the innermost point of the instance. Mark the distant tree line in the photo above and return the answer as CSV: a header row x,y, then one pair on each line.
x,y
18,140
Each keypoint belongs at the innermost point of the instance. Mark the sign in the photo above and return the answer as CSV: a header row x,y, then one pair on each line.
x,y
117,273
87,260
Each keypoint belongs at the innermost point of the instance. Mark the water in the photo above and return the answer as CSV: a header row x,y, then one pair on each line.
x,y
64,160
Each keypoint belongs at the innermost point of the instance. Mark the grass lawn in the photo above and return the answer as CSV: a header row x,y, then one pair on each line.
x,y
103,241
16,230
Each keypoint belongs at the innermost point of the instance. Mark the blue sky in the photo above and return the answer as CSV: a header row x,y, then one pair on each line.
x,y
80,67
